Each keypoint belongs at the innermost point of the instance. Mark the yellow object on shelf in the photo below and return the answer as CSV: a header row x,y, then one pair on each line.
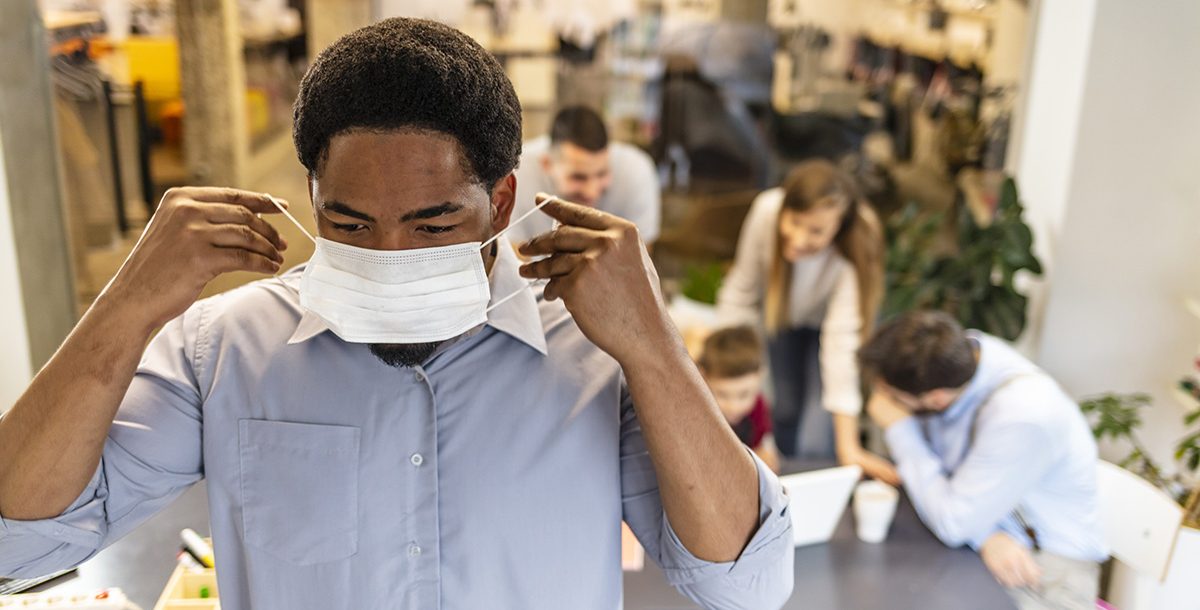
x,y
154,60
190,588
258,111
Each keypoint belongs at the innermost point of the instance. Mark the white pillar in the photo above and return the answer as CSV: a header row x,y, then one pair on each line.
x,y
16,367
1110,169
37,292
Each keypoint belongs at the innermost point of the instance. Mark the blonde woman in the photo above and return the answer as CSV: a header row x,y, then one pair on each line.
x,y
809,272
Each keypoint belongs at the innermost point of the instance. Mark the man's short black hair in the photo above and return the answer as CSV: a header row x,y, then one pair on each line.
x,y
581,126
411,74
920,351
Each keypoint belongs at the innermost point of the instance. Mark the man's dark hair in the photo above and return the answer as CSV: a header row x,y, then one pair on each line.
x,y
411,74
920,351
581,126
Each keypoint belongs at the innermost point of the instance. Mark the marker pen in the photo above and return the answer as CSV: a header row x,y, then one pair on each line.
x,y
197,546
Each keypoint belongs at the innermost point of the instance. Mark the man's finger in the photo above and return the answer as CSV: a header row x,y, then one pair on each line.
x,y
1031,573
551,291
562,239
558,287
242,236
554,266
576,215
225,213
256,202
237,259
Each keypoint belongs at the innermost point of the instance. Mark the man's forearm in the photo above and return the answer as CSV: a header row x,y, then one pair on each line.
x,y
707,479
52,438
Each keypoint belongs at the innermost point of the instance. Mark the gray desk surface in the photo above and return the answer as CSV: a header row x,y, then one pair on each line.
x,y
910,570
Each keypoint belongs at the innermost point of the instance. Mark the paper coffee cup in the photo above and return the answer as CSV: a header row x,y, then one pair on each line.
x,y
874,508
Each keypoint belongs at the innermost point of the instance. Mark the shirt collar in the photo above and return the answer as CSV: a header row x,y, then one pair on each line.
x,y
517,317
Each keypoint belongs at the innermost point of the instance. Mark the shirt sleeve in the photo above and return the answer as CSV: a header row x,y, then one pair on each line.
x,y
151,456
759,579
841,336
966,507
740,300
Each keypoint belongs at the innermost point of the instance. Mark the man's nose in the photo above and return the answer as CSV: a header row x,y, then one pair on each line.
x,y
391,240
593,189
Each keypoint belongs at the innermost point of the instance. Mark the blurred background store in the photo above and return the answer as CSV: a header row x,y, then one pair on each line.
x,y
939,108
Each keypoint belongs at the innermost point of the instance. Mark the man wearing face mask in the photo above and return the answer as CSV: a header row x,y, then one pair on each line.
x,y
998,457
579,163
403,422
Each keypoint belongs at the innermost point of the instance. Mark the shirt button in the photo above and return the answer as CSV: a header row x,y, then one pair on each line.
x,y
419,376
414,550
416,459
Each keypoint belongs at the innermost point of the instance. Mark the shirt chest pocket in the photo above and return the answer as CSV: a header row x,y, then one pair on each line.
x,y
300,489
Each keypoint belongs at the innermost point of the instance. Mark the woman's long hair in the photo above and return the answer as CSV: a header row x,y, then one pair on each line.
x,y
814,185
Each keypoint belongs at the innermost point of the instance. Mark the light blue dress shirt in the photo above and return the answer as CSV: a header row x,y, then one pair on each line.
x,y
1012,439
494,476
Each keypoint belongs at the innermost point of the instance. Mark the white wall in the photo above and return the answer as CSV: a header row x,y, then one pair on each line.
x,y
1047,125
15,365
1111,173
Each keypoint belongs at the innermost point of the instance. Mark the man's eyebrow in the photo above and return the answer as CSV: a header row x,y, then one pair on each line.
x,y
345,210
432,212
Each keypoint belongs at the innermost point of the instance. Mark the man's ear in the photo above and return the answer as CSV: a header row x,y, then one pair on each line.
x,y
546,163
504,197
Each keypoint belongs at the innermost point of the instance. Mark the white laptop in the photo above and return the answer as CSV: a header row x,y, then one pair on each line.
x,y
818,499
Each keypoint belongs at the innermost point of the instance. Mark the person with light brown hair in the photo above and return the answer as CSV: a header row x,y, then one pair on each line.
x,y
809,273
731,362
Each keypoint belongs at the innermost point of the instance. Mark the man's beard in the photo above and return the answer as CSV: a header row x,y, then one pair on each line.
x,y
403,354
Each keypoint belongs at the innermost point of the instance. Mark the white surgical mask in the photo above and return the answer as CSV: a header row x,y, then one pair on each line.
x,y
398,296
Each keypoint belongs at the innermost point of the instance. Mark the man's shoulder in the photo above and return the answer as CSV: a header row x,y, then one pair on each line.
x,y
266,307
1032,399
625,152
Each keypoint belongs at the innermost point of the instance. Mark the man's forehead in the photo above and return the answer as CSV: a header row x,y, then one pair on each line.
x,y
387,153
572,153
396,170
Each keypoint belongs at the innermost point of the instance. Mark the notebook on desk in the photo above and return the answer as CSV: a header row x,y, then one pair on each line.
x,y
818,499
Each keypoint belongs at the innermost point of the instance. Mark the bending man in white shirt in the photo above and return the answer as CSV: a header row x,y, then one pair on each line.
x,y
993,454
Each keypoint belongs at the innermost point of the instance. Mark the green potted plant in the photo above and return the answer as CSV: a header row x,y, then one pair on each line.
x,y
1117,417
970,273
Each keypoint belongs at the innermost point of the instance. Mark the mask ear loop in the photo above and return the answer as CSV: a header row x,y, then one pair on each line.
x,y
292,218
303,232
496,236
519,219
